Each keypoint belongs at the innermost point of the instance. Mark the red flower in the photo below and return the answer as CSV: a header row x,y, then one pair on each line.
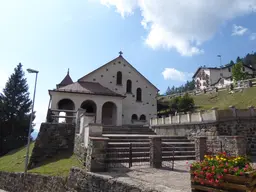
x,y
225,170
236,169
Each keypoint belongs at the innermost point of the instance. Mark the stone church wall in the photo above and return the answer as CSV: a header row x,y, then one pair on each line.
x,y
107,76
52,139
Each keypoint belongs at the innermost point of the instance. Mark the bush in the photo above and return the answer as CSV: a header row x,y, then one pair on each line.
x,y
213,168
182,103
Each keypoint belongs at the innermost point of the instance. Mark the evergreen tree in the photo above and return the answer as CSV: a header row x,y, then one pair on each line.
x,y
15,106
168,91
238,59
231,62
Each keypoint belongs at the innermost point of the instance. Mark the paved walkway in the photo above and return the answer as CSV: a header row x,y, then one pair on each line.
x,y
164,179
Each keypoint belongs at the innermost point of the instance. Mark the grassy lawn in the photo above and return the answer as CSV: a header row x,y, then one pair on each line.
x,y
223,99
59,165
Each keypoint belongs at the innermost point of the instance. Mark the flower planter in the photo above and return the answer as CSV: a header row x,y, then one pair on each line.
x,y
229,183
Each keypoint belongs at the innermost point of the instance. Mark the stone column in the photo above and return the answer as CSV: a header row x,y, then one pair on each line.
x,y
170,119
233,108
178,117
240,145
200,116
251,108
200,147
162,120
119,117
189,117
215,111
155,152
96,154
99,113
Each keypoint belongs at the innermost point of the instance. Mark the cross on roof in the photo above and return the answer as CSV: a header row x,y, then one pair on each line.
x,y
120,53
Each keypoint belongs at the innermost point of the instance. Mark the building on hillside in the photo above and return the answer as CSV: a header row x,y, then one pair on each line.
x,y
116,94
206,77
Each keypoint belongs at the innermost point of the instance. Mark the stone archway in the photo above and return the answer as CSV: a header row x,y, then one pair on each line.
x,y
109,113
65,104
89,106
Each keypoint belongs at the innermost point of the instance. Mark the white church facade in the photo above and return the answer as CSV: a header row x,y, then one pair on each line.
x,y
115,94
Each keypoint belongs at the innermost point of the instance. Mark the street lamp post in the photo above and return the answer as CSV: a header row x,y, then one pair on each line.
x,y
220,66
31,118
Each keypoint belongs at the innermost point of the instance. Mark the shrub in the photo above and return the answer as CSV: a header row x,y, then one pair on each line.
x,y
213,168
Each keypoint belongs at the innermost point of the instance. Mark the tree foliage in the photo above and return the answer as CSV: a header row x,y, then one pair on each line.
x,y
182,103
15,108
188,86
237,72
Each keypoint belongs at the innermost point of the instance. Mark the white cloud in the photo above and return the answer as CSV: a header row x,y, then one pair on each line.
x,y
252,36
182,25
238,30
174,74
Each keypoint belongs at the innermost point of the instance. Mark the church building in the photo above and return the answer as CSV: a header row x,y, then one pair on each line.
x,y
115,94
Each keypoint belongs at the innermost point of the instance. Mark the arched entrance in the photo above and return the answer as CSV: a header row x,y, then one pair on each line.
x,y
89,106
109,113
65,104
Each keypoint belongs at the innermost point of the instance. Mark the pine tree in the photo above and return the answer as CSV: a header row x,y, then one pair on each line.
x,y
15,107
231,62
238,59
168,91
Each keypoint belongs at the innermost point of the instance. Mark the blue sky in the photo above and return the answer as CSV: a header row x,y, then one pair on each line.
x,y
165,40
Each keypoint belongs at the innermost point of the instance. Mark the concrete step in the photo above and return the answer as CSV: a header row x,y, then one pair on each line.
x,y
178,148
136,136
146,154
146,159
127,160
125,130
146,149
132,133
146,144
179,158
121,150
133,140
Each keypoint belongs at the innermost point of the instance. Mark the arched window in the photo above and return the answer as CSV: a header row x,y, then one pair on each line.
x,y
138,96
129,86
119,78
143,117
134,117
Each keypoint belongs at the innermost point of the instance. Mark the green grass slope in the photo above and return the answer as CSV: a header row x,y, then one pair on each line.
x,y
58,165
223,99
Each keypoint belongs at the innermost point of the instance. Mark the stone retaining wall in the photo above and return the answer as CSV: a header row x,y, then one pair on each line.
x,y
14,182
240,127
52,139
77,181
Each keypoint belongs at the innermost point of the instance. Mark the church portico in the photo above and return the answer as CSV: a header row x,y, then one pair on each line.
x,y
107,109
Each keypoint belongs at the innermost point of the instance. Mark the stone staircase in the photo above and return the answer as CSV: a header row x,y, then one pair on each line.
x,y
123,148
128,130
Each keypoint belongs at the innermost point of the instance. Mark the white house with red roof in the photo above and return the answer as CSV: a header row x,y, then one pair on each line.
x,y
115,94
